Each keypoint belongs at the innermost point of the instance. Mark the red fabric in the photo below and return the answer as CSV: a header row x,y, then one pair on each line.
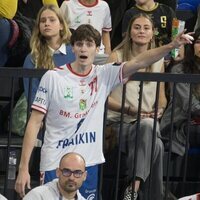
x,y
15,33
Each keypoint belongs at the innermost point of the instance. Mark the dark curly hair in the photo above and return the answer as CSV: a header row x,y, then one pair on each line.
x,y
86,32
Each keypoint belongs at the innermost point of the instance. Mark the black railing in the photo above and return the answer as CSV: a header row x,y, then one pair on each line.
x,y
15,74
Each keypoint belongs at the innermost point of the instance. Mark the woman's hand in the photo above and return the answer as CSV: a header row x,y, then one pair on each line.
x,y
182,39
144,115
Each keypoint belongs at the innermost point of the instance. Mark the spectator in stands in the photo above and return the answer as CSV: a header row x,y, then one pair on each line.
x,y
49,44
94,12
138,40
71,99
117,9
170,3
161,15
8,9
71,174
190,65
30,8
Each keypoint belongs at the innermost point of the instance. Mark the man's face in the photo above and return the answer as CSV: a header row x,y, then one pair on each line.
x,y
85,52
69,183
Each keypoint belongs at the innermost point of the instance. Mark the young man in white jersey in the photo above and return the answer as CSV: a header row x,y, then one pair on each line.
x,y
71,174
94,12
72,100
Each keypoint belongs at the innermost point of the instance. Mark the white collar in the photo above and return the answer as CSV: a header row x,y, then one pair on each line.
x,y
62,49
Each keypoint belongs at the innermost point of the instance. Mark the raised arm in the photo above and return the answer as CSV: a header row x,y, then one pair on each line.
x,y
149,57
30,137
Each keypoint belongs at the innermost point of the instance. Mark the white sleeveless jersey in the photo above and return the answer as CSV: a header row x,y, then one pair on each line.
x,y
97,15
74,108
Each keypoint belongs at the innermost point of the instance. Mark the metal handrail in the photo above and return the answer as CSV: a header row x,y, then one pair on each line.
x,y
15,73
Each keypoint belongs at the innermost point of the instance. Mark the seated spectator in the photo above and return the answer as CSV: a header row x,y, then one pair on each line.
x,y
190,65
170,3
49,44
72,99
161,15
30,8
8,9
94,12
138,40
117,9
71,174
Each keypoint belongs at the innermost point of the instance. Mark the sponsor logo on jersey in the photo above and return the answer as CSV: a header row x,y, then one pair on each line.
x,y
78,20
79,124
42,89
81,138
82,85
91,197
40,100
83,104
89,13
68,93
77,115
65,114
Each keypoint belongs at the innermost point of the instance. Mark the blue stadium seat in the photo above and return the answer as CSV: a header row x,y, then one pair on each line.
x,y
188,5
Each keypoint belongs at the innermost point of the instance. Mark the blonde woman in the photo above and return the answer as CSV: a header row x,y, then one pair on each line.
x,y
139,38
49,44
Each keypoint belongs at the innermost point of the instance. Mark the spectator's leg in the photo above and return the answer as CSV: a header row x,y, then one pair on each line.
x,y
144,156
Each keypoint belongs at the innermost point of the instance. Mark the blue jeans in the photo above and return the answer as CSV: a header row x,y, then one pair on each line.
x,y
5,34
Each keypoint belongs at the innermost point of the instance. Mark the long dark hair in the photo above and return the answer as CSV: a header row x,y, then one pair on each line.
x,y
191,63
190,60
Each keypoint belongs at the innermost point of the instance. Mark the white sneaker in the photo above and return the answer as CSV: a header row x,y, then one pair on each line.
x,y
129,195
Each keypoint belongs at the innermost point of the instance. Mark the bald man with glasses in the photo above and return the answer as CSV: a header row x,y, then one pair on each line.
x,y
71,175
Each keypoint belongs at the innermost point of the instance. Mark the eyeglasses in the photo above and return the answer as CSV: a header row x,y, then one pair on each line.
x,y
67,172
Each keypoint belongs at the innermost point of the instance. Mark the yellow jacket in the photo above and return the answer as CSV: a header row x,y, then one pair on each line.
x,y
50,2
8,8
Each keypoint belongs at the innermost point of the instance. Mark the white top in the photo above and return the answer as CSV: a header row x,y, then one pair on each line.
x,y
132,94
191,197
62,49
74,108
2,197
98,15
48,191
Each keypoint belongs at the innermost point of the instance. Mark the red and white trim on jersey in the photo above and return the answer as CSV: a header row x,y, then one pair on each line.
x,y
74,107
